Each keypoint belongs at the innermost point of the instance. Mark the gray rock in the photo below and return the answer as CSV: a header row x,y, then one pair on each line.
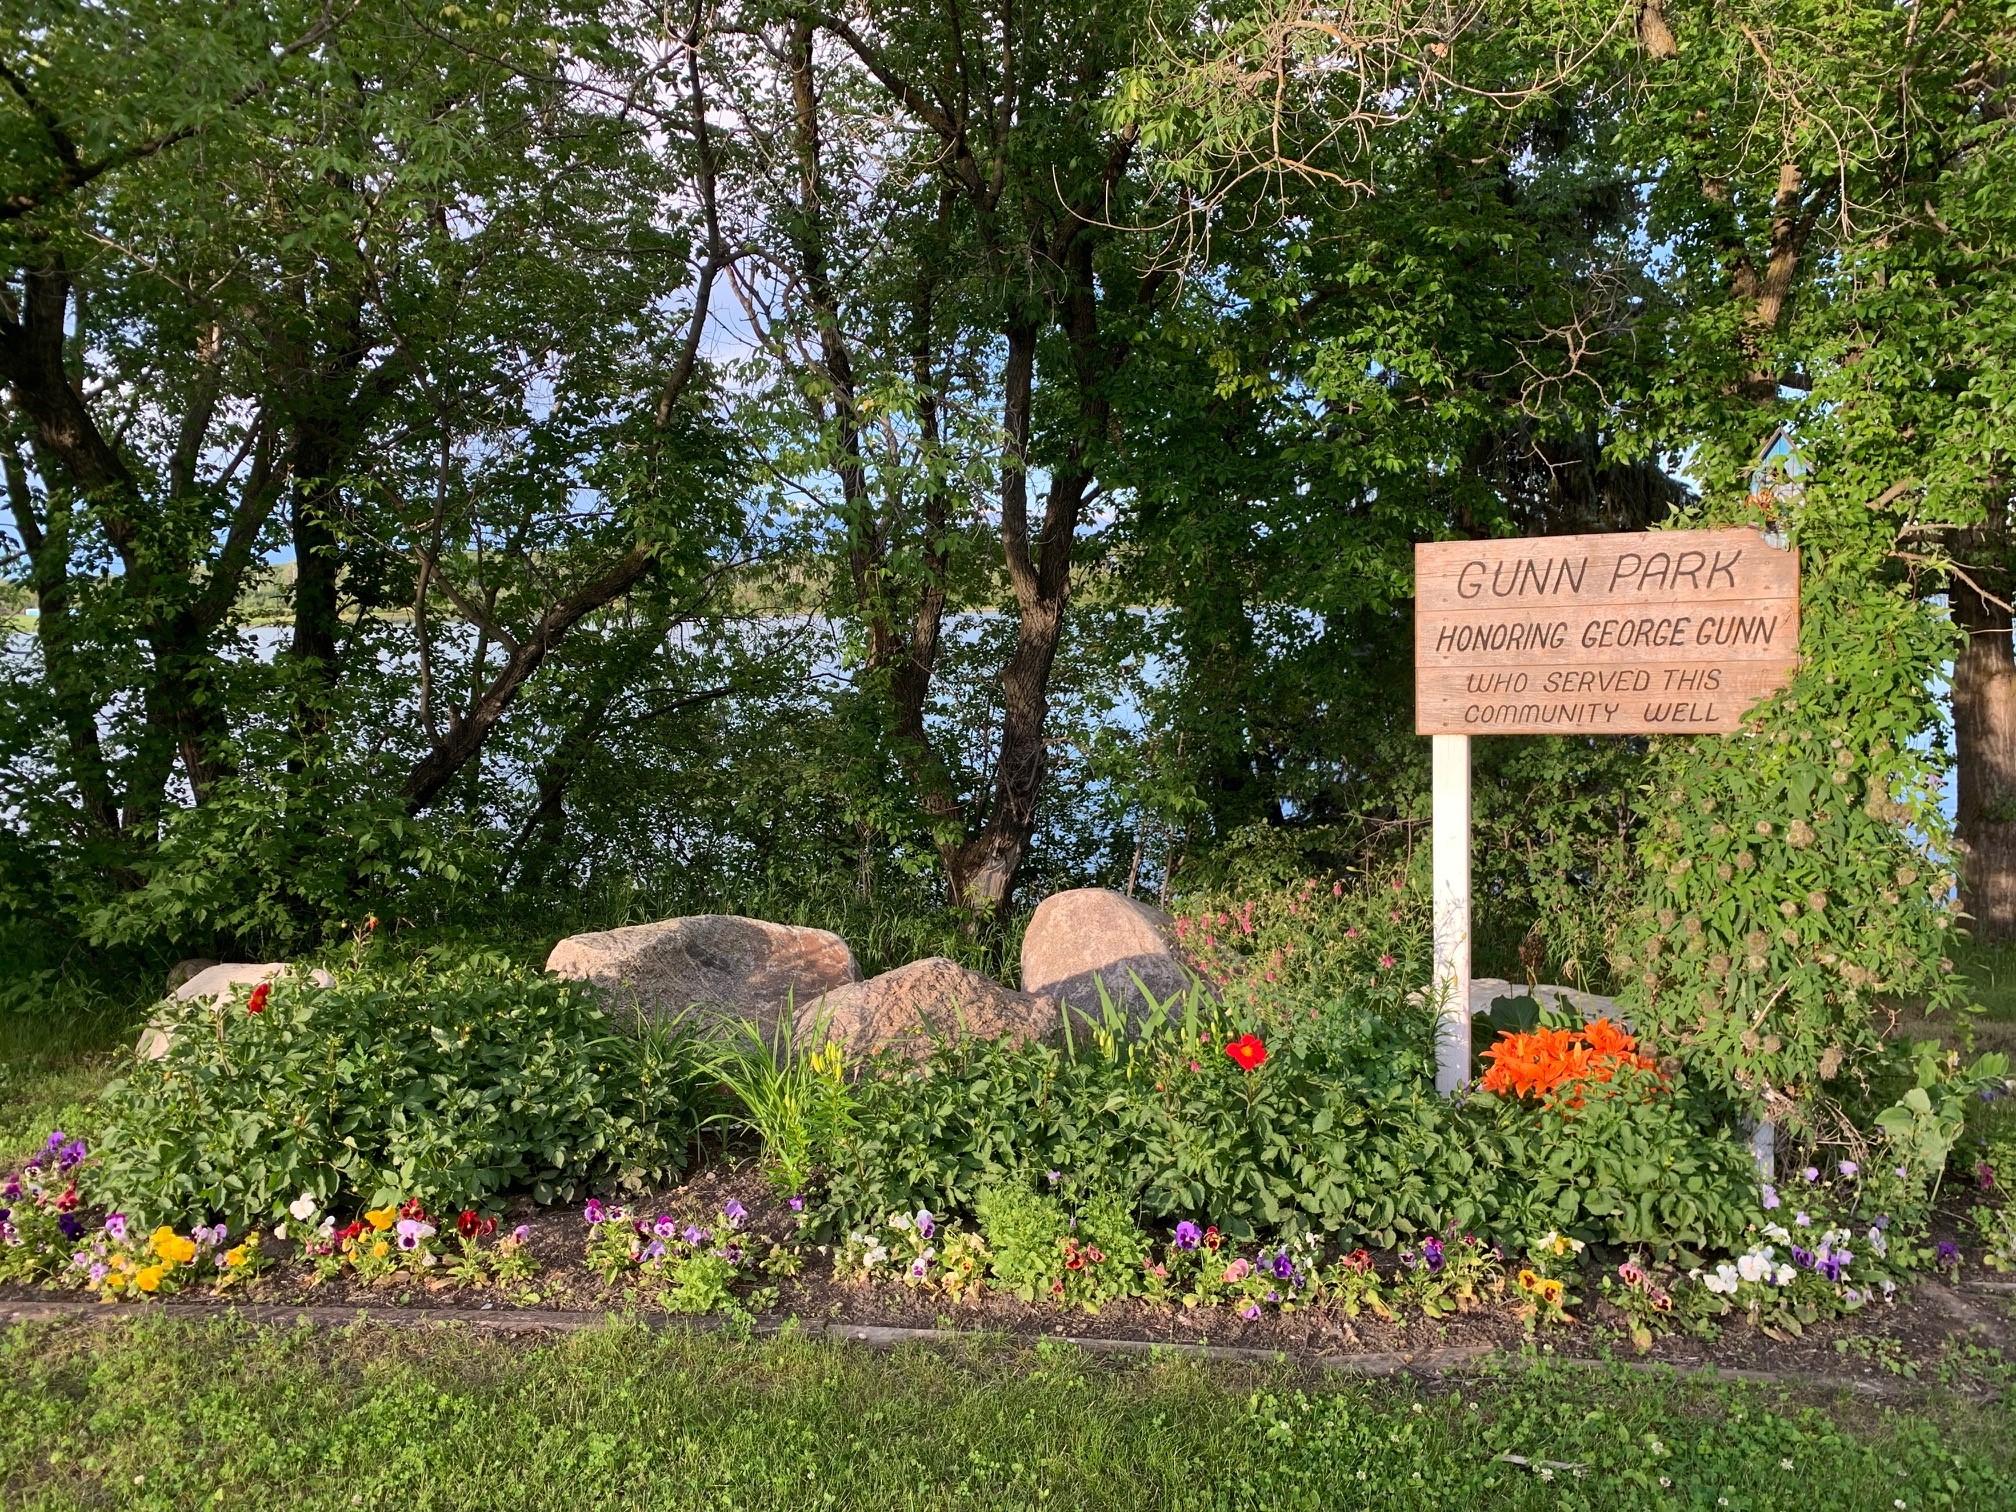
x,y
912,1007
211,986
725,967
1484,991
1086,936
182,971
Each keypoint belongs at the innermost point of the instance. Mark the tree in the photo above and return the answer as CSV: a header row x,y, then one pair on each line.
x,y
384,290
947,298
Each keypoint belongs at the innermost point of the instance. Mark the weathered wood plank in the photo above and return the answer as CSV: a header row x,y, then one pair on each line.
x,y
1647,633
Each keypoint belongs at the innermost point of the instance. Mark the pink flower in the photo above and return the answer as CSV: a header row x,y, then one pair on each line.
x,y
1238,1270
1385,962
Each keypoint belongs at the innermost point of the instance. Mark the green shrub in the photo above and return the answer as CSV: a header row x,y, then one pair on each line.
x,y
452,1083
1339,1132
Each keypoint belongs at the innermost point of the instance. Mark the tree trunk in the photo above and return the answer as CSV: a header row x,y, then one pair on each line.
x,y
1984,735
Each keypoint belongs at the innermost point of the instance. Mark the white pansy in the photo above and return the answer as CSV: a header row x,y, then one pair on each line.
x,y
303,1207
1756,1265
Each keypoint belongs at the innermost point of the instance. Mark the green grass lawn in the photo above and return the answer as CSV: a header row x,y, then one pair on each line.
x,y
163,1413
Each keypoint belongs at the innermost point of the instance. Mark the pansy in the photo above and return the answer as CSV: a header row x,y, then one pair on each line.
x,y
926,1224
593,1211
1756,1265
521,1234
1188,1235
1849,1168
1431,1254
734,1212
695,1235
666,1226
1771,1198
796,1204
411,1231
115,1227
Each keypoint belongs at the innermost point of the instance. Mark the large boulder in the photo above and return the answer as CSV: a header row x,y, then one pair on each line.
x,y
724,967
211,985
914,1006
1086,936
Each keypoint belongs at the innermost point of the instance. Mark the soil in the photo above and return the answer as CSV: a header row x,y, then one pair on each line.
x,y
1958,1333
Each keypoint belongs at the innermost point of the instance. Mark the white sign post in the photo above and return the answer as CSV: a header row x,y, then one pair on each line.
x,y
1451,994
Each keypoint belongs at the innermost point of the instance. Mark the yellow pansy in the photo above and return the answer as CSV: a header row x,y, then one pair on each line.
x,y
380,1250
235,1256
381,1218
149,1279
172,1247
1528,1281
1551,1290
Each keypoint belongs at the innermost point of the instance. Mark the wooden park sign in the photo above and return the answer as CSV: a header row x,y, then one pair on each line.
x,y
1658,633
1670,632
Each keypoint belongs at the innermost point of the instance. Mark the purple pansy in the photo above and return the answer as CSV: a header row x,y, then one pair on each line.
x,y
593,1211
734,1212
1188,1235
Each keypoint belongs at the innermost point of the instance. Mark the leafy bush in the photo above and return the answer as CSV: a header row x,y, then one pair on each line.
x,y
448,1083
1338,1131
1337,1128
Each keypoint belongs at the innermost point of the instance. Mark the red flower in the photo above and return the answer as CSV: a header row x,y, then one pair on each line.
x,y
350,1231
257,1002
411,1208
1212,1238
1247,1052
468,1225
487,1228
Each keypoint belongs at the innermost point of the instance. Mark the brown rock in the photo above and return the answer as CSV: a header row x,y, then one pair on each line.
x,y
1086,936
912,1007
211,985
727,968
